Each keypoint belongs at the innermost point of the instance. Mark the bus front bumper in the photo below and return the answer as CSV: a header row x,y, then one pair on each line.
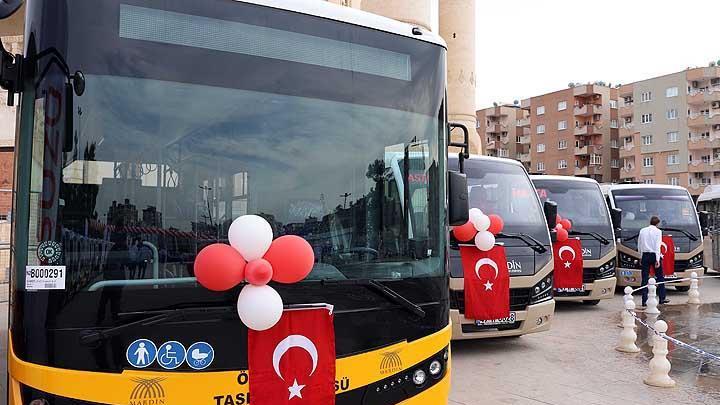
x,y
633,277
536,318
599,290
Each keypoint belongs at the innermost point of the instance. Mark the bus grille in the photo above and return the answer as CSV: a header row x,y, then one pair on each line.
x,y
519,299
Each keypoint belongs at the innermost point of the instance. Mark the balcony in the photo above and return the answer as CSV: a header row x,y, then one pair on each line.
x,y
504,139
629,170
525,139
626,110
700,166
627,150
703,73
584,90
523,122
625,90
495,128
490,145
700,143
702,96
587,110
703,120
627,130
580,151
523,157
588,129
581,171
588,150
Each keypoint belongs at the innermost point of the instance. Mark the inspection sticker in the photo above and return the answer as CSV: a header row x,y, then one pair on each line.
x,y
45,277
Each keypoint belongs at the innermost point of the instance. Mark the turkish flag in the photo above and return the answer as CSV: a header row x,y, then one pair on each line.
x,y
568,265
293,362
667,249
487,283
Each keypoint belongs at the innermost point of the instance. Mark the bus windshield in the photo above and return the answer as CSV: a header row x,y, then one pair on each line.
x,y
313,133
674,207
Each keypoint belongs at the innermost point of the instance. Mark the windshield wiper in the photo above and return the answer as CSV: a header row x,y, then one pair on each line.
x,y
632,237
91,336
686,233
385,291
533,243
594,235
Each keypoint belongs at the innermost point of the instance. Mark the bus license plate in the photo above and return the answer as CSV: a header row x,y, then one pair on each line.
x,y
502,321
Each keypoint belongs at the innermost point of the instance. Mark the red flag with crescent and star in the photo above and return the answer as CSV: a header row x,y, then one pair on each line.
x,y
568,258
487,283
293,363
667,249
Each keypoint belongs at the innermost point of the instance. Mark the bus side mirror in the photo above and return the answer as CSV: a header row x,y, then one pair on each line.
x,y
704,217
616,218
458,207
550,209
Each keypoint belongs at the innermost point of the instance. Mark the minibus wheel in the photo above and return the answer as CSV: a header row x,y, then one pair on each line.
x,y
591,302
682,288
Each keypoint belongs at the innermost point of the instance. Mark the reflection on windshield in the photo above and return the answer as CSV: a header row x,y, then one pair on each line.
x,y
579,201
674,208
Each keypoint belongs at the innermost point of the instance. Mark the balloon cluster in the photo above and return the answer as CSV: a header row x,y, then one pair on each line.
x,y
254,256
482,228
562,227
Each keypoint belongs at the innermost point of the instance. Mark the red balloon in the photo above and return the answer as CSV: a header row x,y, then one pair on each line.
x,y
258,272
464,232
291,257
558,218
496,224
562,235
219,267
566,224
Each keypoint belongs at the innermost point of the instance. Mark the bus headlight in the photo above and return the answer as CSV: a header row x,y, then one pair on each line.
x,y
542,291
435,368
607,270
696,261
419,377
628,262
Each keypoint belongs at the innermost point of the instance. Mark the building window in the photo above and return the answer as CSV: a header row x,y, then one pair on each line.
x,y
613,123
646,118
671,114
503,153
517,139
647,139
671,92
646,96
541,147
562,164
540,129
648,161
615,163
595,159
477,124
673,181
614,143
613,103
672,159
672,137
562,105
540,166
540,110
562,144
627,101
648,181
562,125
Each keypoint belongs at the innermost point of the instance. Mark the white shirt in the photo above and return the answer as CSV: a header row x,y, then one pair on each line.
x,y
649,241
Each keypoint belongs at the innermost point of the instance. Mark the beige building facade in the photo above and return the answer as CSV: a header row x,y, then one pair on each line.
x,y
574,132
504,131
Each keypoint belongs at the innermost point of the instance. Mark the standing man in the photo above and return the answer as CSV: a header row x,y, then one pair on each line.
x,y
649,240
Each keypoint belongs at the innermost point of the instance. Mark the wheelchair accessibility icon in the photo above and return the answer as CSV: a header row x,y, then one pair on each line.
x,y
200,355
171,355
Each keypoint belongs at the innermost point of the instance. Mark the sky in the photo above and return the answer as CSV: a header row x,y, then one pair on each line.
x,y
527,48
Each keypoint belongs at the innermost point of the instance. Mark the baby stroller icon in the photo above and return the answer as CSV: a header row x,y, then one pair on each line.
x,y
198,357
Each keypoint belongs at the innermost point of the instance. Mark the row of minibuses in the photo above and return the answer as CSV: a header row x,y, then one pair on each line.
x,y
605,218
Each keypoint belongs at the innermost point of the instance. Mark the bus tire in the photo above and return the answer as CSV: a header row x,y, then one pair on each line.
x,y
591,302
682,288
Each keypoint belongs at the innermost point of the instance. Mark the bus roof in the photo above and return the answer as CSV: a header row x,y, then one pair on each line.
x,y
350,15
711,192
564,178
609,187
453,156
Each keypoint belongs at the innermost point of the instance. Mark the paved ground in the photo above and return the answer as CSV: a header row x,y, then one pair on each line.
x,y
575,362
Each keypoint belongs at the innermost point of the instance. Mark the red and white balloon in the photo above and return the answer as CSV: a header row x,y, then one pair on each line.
x,y
562,228
481,229
253,256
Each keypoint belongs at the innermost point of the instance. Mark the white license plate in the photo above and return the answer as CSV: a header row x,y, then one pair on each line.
x,y
627,273
502,321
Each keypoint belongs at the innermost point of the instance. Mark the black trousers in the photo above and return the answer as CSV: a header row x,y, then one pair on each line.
x,y
648,259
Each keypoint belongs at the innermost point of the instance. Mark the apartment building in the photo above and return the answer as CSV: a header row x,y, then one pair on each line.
x,y
575,131
504,131
670,129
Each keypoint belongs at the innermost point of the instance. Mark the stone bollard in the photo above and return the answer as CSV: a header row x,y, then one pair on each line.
x,y
628,296
628,335
652,301
660,365
694,293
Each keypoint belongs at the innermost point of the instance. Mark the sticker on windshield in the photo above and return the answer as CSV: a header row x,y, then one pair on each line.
x,y
49,252
200,355
44,278
171,355
141,353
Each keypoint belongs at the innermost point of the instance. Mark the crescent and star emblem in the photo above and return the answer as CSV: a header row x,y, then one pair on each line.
x,y
286,344
560,253
488,285
663,245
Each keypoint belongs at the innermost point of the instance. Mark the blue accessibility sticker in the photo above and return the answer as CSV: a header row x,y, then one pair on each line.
x,y
141,353
171,355
200,355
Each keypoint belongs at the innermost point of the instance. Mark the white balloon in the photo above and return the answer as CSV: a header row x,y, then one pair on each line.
x,y
473,214
482,223
251,235
484,241
259,307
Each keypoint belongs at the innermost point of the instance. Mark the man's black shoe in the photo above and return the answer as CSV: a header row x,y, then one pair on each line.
x,y
665,301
